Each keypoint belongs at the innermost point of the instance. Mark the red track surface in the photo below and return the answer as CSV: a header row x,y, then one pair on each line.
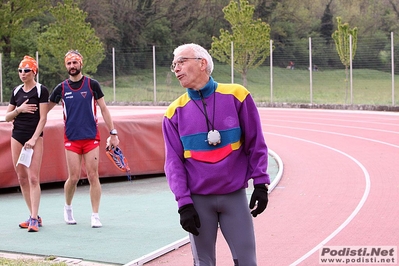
x,y
339,187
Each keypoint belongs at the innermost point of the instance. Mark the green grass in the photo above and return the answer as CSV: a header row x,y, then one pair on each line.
x,y
370,87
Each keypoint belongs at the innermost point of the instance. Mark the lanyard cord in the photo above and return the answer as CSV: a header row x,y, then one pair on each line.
x,y
205,113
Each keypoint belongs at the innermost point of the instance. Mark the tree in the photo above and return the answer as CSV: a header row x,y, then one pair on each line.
x,y
18,36
250,38
327,24
99,15
264,9
13,14
195,20
342,42
69,31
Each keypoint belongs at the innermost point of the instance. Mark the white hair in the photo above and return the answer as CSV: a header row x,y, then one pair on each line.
x,y
199,52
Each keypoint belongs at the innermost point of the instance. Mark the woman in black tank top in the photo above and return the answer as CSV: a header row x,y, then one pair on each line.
x,y
28,110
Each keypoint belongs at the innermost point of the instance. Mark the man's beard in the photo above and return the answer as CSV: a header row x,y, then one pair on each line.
x,y
77,72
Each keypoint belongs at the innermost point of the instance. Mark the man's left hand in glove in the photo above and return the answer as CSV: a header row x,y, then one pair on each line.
x,y
260,196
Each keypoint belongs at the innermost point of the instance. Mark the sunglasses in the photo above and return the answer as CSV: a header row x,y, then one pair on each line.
x,y
73,52
27,70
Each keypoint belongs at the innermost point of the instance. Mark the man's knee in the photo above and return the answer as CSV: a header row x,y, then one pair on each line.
x,y
93,178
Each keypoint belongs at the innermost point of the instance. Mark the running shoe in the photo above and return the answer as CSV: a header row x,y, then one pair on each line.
x,y
116,156
68,216
26,223
33,225
95,222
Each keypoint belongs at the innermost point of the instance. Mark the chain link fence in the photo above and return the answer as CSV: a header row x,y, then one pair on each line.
x,y
306,73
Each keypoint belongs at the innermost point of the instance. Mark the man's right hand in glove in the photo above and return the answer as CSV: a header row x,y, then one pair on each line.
x,y
189,219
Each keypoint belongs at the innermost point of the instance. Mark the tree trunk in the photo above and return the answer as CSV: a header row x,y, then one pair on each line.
x,y
244,79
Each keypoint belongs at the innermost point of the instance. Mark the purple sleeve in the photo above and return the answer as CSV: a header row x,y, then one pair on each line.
x,y
174,163
254,141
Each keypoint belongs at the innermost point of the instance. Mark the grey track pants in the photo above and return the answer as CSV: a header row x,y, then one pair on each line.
x,y
232,214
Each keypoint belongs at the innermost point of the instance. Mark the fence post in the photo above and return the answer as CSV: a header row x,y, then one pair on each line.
x,y
37,60
113,72
350,67
271,71
232,62
1,77
393,69
310,71
155,73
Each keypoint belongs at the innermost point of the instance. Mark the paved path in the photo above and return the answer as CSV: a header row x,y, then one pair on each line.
x,y
340,186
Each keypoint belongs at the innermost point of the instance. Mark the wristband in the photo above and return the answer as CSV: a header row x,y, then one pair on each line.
x,y
113,132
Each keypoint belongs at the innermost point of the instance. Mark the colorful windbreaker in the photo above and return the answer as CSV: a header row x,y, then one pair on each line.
x,y
192,166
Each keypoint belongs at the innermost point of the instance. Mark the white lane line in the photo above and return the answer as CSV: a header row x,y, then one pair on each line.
x,y
321,111
280,164
336,125
177,244
355,211
334,133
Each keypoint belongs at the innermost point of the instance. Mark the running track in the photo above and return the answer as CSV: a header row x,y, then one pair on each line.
x,y
340,186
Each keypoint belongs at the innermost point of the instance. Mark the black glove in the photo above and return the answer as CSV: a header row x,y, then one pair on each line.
x,y
260,195
189,219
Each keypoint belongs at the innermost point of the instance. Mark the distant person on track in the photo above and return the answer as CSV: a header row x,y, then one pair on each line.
x,y
80,96
214,145
28,109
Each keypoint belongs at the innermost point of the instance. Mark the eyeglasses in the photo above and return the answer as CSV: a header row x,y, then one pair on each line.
x,y
26,70
180,62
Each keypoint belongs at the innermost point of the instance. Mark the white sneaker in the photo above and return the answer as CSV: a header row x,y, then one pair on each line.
x,y
95,222
68,216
